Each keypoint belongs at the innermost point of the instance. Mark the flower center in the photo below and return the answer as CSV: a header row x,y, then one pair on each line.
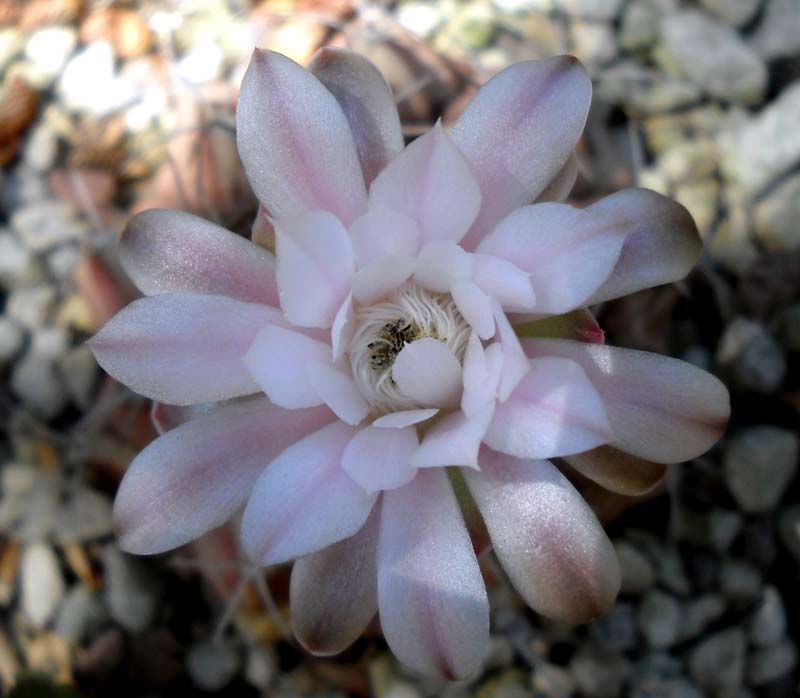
x,y
383,329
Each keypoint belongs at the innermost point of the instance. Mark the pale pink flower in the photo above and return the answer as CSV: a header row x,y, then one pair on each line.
x,y
381,335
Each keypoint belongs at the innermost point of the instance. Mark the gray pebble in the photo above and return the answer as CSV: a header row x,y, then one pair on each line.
x,y
552,681
81,615
654,687
598,672
44,224
34,380
131,592
11,339
638,574
79,372
715,529
768,624
739,582
775,217
771,663
212,664
699,613
660,619
718,661
617,629
752,356
16,262
789,530
778,34
32,307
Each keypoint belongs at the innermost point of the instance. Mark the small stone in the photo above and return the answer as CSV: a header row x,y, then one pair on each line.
x,y
261,666
699,613
41,148
617,629
638,574
660,619
11,42
771,663
79,372
11,340
16,262
759,463
692,160
31,307
715,529
789,529
656,687
593,43
599,673
63,260
81,615
212,664
126,29
718,661
671,573
472,25
739,582
85,515
42,583
34,379
701,200
733,12
420,18
204,63
48,50
778,35
89,82
732,245
591,9
552,681
131,591
639,25
752,356
776,217
47,223
790,327
711,55
768,624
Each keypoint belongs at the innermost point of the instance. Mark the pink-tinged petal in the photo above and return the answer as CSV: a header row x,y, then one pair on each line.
x,y
295,142
546,537
315,268
578,324
431,596
338,391
166,251
304,501
455,440
278,361
618,471
441,264
381,233
518,133
428,371
343,328
404,418
554,411
166,417
482,369
378,279
380,459
505,282
183,348
662,244
333,594
475,307
660,409
559,189
431,182
367,102
569,252
515,363
195,477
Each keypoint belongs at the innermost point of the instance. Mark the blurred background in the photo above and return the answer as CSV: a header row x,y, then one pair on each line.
x,y
108,108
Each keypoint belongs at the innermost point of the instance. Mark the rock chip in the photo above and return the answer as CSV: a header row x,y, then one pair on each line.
x,y
598,672
212,664
717,662
778,35
739,582
11,340
768,623
34,379
759,464
42,583
660,619
638,574
47,223
699,613
131,592
752,356
732,12
771,663
81,615
617,629
552,681
776,217
48,50
789,530
16,262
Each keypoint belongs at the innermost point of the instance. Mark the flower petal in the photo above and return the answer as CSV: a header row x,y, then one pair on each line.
x,y
304,501
427,370
546,537
569,252
554,411
380,459
166,251
195,477
475,307
662,245
560,187
432,599
519,131
295,142
618,471
343,328
404,418
454,440
659,408
431,182
367,102
515,363
482,370
333,594
338,391
315,268
378,279
505,282
441,264
278,361
182,348
380,233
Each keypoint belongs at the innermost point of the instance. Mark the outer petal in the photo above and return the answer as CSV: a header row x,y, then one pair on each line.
x,y
165,251
333,594
304,501
482,369
338,391
505,282
315,268
662,244
431,182
454,441
295,142
568,252
375,281
367,102
432,600
278,361
618,471
554,411
343,328
559,189
659,408
380,459
428,371
195,477
182,348
381,233
475,307
404,418
549,542
515,365
518,132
